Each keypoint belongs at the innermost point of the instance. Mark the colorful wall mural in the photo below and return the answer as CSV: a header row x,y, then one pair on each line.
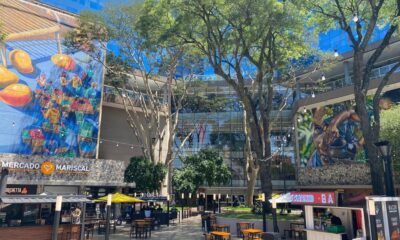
x,y
332,134
49,97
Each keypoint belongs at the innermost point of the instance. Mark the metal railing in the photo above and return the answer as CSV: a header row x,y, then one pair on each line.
x,y
307,90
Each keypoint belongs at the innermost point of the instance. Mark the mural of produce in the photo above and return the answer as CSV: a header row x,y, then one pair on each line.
x,y
49,96
332,134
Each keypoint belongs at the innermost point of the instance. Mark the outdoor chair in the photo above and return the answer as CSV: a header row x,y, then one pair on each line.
x,y
74,234
141,230
60,234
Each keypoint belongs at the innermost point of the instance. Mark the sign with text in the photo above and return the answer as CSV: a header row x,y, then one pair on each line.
x,y
46,167
379,222
313,198
392,208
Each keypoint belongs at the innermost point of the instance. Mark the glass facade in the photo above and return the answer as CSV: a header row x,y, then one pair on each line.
x,y
223,130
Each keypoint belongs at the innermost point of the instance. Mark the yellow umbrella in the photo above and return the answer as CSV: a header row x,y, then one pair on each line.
x,y
120,198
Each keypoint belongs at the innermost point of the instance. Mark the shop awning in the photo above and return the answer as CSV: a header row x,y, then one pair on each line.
x,y
15,199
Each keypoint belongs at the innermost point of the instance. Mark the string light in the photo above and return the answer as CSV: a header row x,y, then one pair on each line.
x,y
355,17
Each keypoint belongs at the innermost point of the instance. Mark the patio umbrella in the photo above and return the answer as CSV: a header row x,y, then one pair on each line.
x,y
120,198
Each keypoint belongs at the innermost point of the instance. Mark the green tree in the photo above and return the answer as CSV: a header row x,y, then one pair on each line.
x,y
390,130
147,175
204,167
359,20
245,42
145,69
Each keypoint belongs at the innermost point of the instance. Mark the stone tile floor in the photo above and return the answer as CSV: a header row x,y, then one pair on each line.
x,y
189,229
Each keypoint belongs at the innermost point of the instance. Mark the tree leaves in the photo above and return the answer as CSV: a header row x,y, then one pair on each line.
x,y
147,175
204,167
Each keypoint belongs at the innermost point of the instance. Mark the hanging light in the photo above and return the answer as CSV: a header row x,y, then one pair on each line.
x,y
323,78
355,17
336,53
292,127
305,110
117,145
13,124
312,94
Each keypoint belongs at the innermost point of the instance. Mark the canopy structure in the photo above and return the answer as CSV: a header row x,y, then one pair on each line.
x,y
282,198
120,198
21,199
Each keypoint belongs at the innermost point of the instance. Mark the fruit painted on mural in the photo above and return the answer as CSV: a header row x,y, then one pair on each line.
x,y
21,61
7,77
63,61
16,95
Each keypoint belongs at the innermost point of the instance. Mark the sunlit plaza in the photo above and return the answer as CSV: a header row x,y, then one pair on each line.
x,y
199,119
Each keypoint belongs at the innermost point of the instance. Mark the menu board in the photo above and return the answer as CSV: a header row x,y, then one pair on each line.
x,y
380,227
393,219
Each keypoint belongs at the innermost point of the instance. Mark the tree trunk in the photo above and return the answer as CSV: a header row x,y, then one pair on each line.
x,y
251,183
166,185
265,172
370,136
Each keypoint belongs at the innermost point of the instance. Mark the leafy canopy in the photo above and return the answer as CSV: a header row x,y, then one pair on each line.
x,y
147,175
204,167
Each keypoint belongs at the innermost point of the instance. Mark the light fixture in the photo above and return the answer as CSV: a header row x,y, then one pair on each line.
x,y
313,94
305,110
183,196
190,195
336,53
58,203
355,17
117,145
109,199
292,127
101,141
384,147
371,207
214,196
274,203
323,78
13,124
197,195
227,196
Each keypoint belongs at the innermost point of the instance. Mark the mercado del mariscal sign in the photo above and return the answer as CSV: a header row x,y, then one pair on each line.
x,y
46,167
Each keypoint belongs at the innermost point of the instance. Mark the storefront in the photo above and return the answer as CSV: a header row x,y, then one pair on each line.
x,y
30,175
23,216
324,220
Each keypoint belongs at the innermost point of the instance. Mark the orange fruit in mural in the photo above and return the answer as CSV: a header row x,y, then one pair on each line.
x,y
47,168
7,77
21,61
63,61
16,95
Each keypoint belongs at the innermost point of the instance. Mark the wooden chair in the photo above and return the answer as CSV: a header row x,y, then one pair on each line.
x,y
141,229
60,234
75,230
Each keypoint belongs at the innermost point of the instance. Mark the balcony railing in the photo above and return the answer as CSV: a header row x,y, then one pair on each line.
x,y
308,89
111,95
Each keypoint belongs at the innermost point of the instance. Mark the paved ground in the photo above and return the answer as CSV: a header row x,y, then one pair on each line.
x,y
189,229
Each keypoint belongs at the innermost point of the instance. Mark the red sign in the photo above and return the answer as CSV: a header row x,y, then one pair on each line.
x,y
313,198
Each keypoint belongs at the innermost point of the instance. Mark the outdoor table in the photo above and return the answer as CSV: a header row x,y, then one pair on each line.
x,y
241,226
250,232
221,227
221,235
